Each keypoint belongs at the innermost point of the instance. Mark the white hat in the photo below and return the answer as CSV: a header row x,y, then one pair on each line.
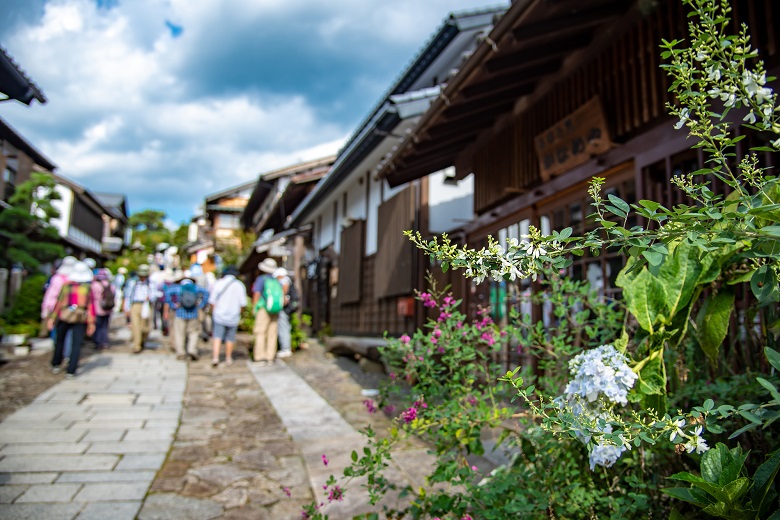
x,y
268,265
122,270
67,265
90,262
81,273
281,272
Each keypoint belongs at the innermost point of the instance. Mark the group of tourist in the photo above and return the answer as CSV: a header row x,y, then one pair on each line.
x,y
80,299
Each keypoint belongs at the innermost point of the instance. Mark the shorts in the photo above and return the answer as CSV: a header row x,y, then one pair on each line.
x,y
224,332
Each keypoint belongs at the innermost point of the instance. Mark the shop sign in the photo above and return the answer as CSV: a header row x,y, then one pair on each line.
x,y
573,140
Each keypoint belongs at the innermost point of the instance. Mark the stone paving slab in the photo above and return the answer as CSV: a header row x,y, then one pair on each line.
x,y
39,511
101,492
49,493
106,476
110,510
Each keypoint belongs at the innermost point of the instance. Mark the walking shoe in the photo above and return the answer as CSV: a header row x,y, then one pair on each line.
x,y
137,350
56,370
69,375
181,357
193,357
228,361
284,354
261,363
215,362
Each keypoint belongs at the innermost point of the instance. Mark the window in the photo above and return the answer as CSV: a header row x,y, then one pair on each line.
x,y
228,221
9,181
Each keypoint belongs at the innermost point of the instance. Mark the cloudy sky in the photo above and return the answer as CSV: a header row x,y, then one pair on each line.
x,y
170,100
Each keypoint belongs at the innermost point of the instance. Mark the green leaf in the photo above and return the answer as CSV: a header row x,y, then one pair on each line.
x,y
713,462
764,284
763,479
769,386
645,296
619,203
445,266
565,233
615,211
712,322
653,258
685,495
737,488
773,356
773,231
680,275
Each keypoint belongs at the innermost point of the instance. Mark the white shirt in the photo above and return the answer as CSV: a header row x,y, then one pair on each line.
x,y
227,299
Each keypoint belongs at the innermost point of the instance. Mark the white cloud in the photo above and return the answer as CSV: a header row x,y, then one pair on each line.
x,y
119,119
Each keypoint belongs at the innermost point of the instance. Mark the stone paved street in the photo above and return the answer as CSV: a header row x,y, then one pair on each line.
x,y
149,437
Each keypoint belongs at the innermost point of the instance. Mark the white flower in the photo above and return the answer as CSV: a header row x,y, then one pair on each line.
x,y
605,455
713,73
684,116
696,442
776,143
750,118
678,430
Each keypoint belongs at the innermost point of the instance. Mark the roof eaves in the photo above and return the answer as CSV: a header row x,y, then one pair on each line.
x,y
23,89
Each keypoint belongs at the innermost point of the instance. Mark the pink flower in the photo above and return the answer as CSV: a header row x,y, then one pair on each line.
x,y
437,332
405,339
440,350
389,408
409,415
466,517
370,405
335,494
392,375
325,459
445,316
488,336
459,325
287,492
448,301
474,468
427,300
434,340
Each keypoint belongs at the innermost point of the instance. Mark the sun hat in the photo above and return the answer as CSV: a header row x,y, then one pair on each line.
x,y
81,273
280,272
122,270
268,265
143,270
91,263
67,265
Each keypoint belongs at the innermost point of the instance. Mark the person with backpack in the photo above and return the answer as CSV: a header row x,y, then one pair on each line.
x,y
103,296
73,312
227,300
268,301
186,299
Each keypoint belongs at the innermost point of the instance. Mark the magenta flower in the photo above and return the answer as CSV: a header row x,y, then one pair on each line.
x,y
389,408
440,350
409,415
287,492
437,332
444,316
325,459
448,301
405,339
459,325
434,340
369,403
335,494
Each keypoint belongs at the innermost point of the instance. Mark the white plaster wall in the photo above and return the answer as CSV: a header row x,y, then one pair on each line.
x,y
64,205
450,207
356,200
372,219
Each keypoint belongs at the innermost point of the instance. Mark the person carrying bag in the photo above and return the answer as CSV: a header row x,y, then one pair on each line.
x,y
74,312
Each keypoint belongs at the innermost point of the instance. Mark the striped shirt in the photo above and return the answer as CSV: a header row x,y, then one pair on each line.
x,y
138,292
172,296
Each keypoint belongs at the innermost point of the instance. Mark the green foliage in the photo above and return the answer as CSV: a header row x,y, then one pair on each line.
x,y
148,220
26,306
297,332
724,490
31,239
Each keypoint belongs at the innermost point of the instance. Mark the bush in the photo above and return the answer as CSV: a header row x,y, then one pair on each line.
x,y
24,316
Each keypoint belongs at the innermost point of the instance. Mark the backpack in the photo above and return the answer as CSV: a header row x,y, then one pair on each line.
x,y
273,296
189,297
292,304
76,297
107,302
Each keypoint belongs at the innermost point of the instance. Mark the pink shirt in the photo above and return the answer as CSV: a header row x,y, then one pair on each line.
x,y
52,293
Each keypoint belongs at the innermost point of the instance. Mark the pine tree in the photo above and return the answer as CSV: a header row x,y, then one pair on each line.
x,y
26,225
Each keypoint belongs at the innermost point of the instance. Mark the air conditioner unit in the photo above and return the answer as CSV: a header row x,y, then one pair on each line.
x,y
112,244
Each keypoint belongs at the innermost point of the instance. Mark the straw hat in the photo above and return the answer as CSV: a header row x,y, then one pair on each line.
x,y
268,265
81,273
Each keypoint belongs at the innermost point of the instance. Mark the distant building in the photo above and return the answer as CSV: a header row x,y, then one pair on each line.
x,y
218,227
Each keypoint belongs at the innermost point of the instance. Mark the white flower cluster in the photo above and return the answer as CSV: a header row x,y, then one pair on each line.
x,y
693,440
600,371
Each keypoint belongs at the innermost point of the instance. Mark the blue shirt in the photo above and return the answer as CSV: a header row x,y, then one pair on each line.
x,y
172,295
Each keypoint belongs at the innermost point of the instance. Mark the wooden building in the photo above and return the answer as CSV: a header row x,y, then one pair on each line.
x,y
557,93
363,278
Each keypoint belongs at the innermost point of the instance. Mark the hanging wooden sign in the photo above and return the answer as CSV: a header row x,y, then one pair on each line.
x,y
573,140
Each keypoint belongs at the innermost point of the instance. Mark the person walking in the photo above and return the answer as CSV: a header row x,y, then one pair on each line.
x,y
119,286
52,294
267,301
186,299
73,312
103,296
227,300
285,330
139,298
